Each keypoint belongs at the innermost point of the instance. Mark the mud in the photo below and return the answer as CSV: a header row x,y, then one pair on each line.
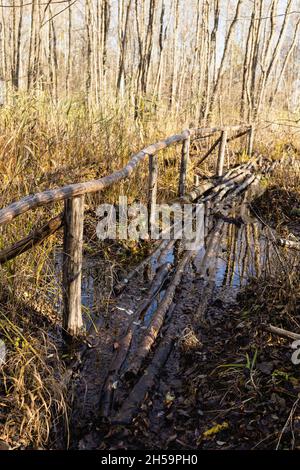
x,y
205,304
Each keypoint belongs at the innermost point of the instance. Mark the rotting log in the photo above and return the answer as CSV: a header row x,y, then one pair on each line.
x,y
72,265
114,371
36,237
132,404
158,318
124,344
197,192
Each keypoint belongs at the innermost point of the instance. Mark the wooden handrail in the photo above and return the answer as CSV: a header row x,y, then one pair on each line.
x,y
8,213
36,237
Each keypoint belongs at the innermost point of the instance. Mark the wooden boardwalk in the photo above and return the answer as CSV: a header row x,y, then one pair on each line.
x,y
72,218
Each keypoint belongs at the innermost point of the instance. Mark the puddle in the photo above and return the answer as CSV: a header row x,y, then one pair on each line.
x,y
93,287
153,307
244,250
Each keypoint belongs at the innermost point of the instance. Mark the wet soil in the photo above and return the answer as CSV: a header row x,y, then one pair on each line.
x,y
227,384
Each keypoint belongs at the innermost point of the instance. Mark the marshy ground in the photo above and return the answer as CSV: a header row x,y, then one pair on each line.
x,y
227,383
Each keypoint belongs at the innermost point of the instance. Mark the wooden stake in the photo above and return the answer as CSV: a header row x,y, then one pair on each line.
x,y
153,175
250,141
185,154
72,265
221,155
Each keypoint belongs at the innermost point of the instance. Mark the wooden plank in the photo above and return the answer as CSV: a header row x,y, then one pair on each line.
x,y
185,156
221,156
152,190
34,238
72,265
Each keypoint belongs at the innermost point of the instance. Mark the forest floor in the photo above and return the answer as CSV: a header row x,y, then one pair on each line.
x,y
227,383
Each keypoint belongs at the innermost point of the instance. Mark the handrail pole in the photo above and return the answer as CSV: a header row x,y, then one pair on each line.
x,y
152,191
30,202
250,141
185,157
221,156
72,265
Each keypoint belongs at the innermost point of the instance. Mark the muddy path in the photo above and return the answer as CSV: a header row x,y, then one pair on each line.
x,y
196,385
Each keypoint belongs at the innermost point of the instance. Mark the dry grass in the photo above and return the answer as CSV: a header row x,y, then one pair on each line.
x,y
33,397
278,296
44,146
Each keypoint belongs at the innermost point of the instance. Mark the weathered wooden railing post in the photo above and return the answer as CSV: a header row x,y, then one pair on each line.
x,y
250,141
72,265
185,156
152,190
221,155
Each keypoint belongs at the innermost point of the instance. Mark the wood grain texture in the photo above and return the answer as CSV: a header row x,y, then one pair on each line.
x,y
72,265
185,156
221,156
8,213
152,190
34,238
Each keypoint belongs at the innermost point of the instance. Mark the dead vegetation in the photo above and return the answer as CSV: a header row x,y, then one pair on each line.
x,y
82,88
33,395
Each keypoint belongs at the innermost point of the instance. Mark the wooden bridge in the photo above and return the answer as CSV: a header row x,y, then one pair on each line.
x,y
72,218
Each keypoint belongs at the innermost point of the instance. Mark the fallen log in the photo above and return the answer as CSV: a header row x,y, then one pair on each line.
x,y
222,189
248,182
231,185
125,342
132,404
197,192
113,374
155,253
158,318
155,287
36,237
